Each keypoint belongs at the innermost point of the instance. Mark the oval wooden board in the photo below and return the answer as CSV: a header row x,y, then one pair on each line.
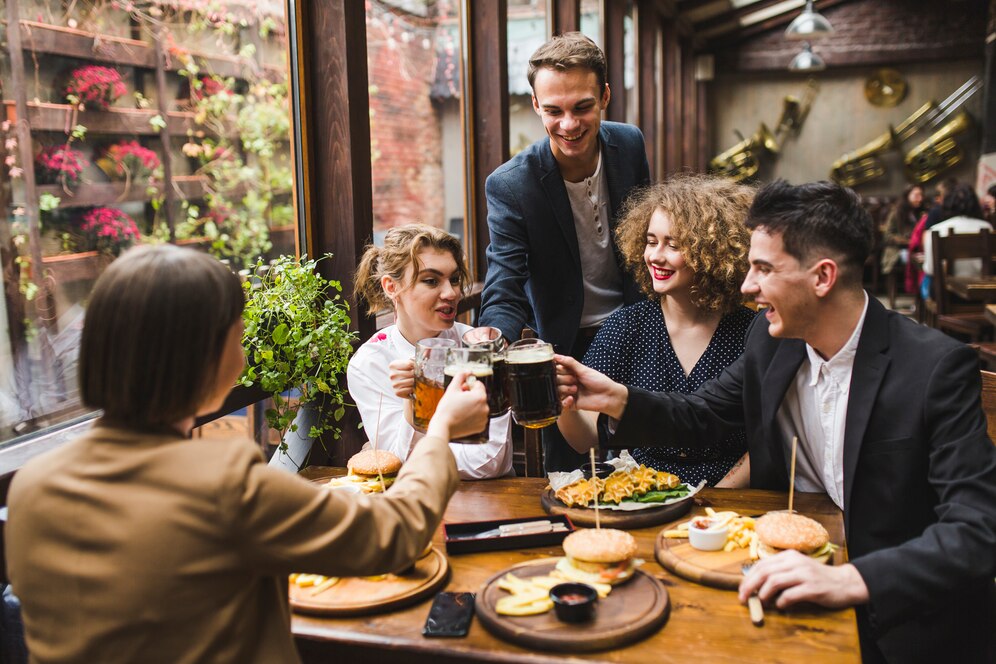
x,y
585,516
354,596
631,612
718,569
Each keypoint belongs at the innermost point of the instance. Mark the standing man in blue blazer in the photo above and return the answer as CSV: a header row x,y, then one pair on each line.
x,y
553,264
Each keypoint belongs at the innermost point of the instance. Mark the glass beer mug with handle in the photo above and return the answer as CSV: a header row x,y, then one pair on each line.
x,y
492,339
532,383
476,361
430,371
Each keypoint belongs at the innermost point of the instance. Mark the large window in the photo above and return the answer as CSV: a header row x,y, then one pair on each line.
x,y
416,133
527,31
129,122
592,20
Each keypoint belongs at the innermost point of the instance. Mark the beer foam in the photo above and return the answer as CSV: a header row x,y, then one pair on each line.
x,y
479,370
528,356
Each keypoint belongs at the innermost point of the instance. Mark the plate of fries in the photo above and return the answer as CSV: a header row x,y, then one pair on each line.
x,y
719,569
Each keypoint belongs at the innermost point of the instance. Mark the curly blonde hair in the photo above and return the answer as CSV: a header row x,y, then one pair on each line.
x,y
402,245
707,216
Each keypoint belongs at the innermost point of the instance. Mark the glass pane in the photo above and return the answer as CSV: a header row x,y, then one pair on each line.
x,y
629,64
416,135
591,20
527,31
107,146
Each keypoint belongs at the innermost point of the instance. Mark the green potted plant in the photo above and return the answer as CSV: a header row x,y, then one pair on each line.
x,y
297,338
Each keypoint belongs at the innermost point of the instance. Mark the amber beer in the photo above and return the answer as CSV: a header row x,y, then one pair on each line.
x,y
430,365
491,338
476,361
532,383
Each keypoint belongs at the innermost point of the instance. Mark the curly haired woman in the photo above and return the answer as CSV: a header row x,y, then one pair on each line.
x,y
685,242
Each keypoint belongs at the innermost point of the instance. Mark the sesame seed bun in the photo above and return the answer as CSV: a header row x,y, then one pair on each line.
x,y
605,545
784,530
369,462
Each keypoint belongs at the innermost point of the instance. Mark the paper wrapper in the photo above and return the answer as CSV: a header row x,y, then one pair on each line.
x,y
622,462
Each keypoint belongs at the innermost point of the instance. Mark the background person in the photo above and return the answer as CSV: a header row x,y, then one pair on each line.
x,y
136,543
552,264
899,227
960,213
419,273
889,424
685,243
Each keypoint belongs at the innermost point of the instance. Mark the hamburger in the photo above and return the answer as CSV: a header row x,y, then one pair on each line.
x,y
598,556
363,471
780,531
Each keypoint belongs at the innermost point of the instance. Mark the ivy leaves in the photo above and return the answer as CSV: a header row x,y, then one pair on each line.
x,y
297,338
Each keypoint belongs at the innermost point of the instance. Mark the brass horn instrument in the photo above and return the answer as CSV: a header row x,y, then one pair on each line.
x,y
939,152
864,164
742,160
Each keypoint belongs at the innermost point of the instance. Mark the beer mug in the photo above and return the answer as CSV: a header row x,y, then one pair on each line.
x,y
491,338
476,361
532,383
430,368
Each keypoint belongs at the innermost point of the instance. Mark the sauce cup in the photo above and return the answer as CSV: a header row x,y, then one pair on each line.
x,y
705,535
574,602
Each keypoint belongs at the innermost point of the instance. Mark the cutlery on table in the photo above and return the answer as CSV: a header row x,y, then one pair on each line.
x,y
510,529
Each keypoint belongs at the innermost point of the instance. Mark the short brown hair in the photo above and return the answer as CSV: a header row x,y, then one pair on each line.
x,y
569,51
402,245
153,334
707,216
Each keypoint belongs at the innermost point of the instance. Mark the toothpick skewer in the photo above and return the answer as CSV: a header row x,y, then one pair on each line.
x,y
795,444
594,479
380,475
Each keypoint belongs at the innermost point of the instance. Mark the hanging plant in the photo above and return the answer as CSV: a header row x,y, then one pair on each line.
x,y
130,161
60,163
94,86
109,230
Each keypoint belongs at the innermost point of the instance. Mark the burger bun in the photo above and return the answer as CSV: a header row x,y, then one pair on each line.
x,y
372,462
778,531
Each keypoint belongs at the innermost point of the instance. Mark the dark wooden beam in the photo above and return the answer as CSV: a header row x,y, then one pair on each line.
x,y
614,13
989,80
705,127
735,14
648,27
778,21
689,115
734,60
672,98
687,6
487,112
566,15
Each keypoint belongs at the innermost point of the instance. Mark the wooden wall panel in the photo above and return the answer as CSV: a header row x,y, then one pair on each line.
x,y
614,13
672,98
689,113
647,32
566,15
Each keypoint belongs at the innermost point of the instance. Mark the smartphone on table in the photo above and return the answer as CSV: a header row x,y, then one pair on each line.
x,y
450,615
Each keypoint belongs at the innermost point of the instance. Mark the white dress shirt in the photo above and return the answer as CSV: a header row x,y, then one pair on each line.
x,y
370,387
815,410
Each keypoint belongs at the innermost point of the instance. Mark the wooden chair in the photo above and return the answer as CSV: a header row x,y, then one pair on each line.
x,y
989,402
951,314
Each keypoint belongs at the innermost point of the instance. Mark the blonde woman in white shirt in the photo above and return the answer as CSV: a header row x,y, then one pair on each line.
x,y
420,273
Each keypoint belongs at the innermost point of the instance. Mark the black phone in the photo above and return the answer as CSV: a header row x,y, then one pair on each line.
x,y
450,615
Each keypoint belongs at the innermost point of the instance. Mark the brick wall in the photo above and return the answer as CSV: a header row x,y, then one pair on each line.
x,y
875,32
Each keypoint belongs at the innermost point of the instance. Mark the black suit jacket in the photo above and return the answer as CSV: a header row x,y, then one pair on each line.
x,y
534,265
919,473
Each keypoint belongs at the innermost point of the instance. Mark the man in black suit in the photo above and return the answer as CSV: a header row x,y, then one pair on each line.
x,y
552,263
889,423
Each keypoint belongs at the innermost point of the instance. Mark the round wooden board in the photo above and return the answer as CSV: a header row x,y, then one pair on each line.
x,y
354,596
585,516
718,569
631,612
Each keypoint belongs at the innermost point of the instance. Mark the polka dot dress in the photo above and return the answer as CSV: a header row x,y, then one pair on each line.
x,y
633,348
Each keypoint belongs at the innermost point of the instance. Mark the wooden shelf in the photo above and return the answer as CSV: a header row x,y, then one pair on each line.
x,y
76,267
110,193
44,116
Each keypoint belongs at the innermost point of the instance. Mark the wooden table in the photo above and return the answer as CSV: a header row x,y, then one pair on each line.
x,y
976,289
991,313
705,624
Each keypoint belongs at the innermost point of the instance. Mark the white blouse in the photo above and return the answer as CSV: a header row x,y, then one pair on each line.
x,y
370,387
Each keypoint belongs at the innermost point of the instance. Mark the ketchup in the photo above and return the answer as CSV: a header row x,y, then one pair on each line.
x,y
573,598
702,523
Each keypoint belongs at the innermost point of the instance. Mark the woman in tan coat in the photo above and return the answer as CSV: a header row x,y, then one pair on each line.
x,y
136,543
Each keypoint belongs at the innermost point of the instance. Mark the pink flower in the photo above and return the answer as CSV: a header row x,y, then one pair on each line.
x,y
130,157
99,86
110,230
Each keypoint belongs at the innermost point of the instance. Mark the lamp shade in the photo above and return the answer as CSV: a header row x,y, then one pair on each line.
x,y
810,24
806,60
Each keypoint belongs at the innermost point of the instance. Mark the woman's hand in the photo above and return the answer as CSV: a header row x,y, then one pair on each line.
x,y
402,376
463,410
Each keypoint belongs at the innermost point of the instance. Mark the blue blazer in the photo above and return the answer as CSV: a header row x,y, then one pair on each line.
x,y
534,265
919,474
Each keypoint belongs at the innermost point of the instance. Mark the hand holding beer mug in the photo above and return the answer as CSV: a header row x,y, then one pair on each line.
x,y
430,367
475,361
532,383
491,339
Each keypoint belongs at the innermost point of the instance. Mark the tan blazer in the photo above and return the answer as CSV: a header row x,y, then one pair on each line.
x,y
130,547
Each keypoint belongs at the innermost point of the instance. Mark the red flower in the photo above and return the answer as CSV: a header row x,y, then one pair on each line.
x,y
110,230
95,85
130,158
60,161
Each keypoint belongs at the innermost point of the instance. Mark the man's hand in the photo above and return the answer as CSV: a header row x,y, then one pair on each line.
x,y
582,388
791,577
402,375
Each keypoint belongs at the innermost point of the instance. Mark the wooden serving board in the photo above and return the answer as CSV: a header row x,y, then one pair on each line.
x,y
585,516
631,612
718,569
354,596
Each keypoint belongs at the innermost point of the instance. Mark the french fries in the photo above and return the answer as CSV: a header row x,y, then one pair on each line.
x,y
530,597
739,530
316,582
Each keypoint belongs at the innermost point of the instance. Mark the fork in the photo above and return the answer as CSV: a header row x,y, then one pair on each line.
x,y
753,602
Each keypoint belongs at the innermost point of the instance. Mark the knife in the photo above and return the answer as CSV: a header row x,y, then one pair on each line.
x,y
514,529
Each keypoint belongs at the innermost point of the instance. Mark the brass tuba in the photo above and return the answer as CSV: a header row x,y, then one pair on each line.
x,y
742,160
864,164
939,152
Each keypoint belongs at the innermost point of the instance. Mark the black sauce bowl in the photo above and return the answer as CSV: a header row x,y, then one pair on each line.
x,y
602,470
574,602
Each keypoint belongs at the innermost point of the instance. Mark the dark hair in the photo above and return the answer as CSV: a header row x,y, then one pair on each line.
x,y
568,51
154,332
961,201
707,222
815,218
903,208
991,190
